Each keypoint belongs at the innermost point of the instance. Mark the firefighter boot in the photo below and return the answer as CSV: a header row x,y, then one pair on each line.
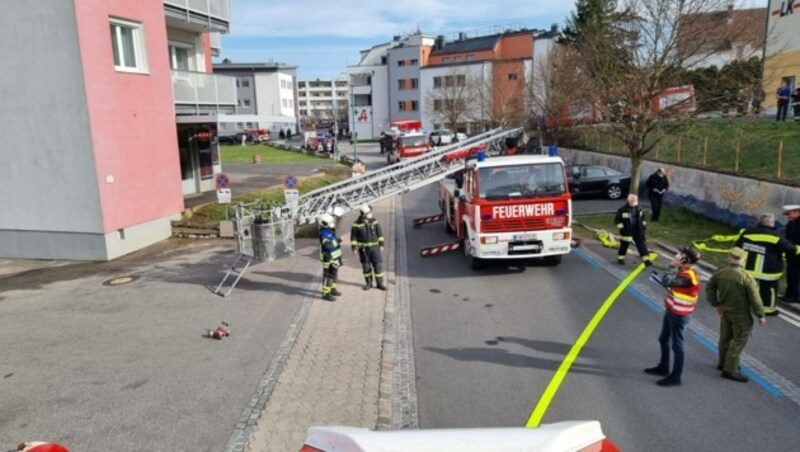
x,y
335,292
380,283
368,284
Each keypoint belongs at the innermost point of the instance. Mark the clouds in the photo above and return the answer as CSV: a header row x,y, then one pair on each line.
x,y
380,19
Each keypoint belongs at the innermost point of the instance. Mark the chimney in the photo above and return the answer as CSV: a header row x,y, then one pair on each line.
x,y
439,43
462,36
554,28
730,14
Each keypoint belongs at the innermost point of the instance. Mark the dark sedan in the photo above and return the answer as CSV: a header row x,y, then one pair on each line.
x,y
598,180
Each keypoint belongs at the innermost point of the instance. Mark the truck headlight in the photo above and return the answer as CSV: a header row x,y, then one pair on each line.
x,y
561,236
489,240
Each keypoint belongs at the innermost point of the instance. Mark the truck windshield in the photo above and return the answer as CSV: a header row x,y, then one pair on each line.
x,y
521,181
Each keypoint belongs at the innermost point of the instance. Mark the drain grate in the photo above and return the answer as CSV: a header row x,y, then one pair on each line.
x,y
120,280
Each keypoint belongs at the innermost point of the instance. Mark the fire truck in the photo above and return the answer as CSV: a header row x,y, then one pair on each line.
x,y
408,140
509,207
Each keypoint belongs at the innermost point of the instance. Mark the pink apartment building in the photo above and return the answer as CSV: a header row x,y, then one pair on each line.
x,y
110,119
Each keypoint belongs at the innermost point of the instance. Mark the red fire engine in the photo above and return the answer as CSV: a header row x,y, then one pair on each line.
x,y
509,207
408,140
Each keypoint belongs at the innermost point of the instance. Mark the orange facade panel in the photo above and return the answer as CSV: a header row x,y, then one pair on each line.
x,y
515,46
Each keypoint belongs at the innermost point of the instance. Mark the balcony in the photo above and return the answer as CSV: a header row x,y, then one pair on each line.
x,y
199,15
197,93
215,41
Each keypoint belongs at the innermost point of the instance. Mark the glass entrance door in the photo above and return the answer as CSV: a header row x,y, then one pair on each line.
x,y
187,144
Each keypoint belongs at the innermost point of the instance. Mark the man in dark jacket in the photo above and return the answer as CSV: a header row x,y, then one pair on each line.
x,y
657,185
631,224
366,239
792,234
765,249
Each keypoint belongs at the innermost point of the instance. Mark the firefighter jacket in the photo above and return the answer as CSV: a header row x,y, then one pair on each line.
x,y
366,233
735,291
329,250
630,222
684,291
765,249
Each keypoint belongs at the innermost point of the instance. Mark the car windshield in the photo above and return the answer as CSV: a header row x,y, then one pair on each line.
x,y
521,181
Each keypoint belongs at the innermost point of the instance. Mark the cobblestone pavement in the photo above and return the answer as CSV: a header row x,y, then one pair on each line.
x,y
332,375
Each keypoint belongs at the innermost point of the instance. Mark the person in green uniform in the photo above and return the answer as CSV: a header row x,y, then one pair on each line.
x,y
734,294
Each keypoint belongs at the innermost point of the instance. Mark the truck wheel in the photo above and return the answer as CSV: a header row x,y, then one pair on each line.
x,y
552,261
474,263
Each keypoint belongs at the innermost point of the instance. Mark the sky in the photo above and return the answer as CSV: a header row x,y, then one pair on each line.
x,y
322,38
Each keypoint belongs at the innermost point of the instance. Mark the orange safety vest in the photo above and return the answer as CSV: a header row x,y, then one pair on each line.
x,y
683,300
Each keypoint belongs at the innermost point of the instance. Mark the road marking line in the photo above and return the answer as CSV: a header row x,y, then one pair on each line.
x,y
550,392
746,370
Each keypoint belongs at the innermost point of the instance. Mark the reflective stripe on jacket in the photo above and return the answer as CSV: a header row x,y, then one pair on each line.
x,y
329,249
365,233
682,299
765,249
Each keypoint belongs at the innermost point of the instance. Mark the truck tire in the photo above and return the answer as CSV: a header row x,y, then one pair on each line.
x,y
552,261
474,263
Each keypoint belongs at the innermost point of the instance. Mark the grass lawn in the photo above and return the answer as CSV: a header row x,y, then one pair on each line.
x,y
274,195
677,227
713,144
269,154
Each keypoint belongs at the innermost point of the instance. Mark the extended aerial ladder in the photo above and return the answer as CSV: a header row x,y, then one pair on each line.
x,y
266,233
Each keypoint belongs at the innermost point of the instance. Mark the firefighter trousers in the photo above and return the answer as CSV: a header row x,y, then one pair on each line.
x,y
330,275
769,293
641,247
372,264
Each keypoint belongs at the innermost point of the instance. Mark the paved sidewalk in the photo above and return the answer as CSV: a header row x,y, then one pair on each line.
x,y
333,373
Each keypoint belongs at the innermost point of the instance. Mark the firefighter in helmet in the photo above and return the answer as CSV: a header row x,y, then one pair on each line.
x,y
366,239
330,253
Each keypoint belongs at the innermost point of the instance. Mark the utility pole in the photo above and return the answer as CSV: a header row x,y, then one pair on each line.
x,y
352,109
335,124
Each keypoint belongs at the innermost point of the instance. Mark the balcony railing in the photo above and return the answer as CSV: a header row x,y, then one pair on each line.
x,y
215,41
203,90
215,14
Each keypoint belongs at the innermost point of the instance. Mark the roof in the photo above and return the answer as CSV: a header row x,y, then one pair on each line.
x,y
468,45
714,31
255,67
512,160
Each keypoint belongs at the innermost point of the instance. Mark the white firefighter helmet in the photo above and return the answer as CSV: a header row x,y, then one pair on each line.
x,y
365,209
337,212
326,220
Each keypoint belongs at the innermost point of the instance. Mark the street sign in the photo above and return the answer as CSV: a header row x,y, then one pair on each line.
x,y
223,181
224,195
291,195
290,182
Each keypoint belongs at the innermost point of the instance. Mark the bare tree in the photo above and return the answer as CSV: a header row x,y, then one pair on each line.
x,y
450,101
633,53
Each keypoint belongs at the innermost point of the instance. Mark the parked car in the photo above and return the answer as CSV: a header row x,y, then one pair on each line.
x,y
227,139
460,136
321,142
441,137
598,180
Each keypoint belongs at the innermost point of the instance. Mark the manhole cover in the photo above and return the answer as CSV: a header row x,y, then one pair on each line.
x,y
120,280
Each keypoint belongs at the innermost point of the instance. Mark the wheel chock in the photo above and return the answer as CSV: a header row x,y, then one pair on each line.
x,y
439,249
429,219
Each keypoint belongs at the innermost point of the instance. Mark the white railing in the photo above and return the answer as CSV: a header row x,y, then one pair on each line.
x,y
219,9
201,88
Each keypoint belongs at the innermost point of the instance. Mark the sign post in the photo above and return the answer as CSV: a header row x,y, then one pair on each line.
x,y
223,182
290,192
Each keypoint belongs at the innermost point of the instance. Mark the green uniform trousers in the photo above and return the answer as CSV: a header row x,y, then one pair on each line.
x,y
734,332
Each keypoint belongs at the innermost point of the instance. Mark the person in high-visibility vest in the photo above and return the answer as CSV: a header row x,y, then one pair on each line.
x,y
765,249
683,286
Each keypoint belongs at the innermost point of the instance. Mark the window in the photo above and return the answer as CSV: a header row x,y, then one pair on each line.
x,y
461,80
414,83
401,106
284,103
414,62
180,57
401,84
127,42
448,81
414,105
512,76
470,57
401,62
457,58
437,105
245,83
246,102
437,82
446,60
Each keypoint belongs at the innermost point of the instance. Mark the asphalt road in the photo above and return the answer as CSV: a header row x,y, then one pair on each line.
x,y
487,343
